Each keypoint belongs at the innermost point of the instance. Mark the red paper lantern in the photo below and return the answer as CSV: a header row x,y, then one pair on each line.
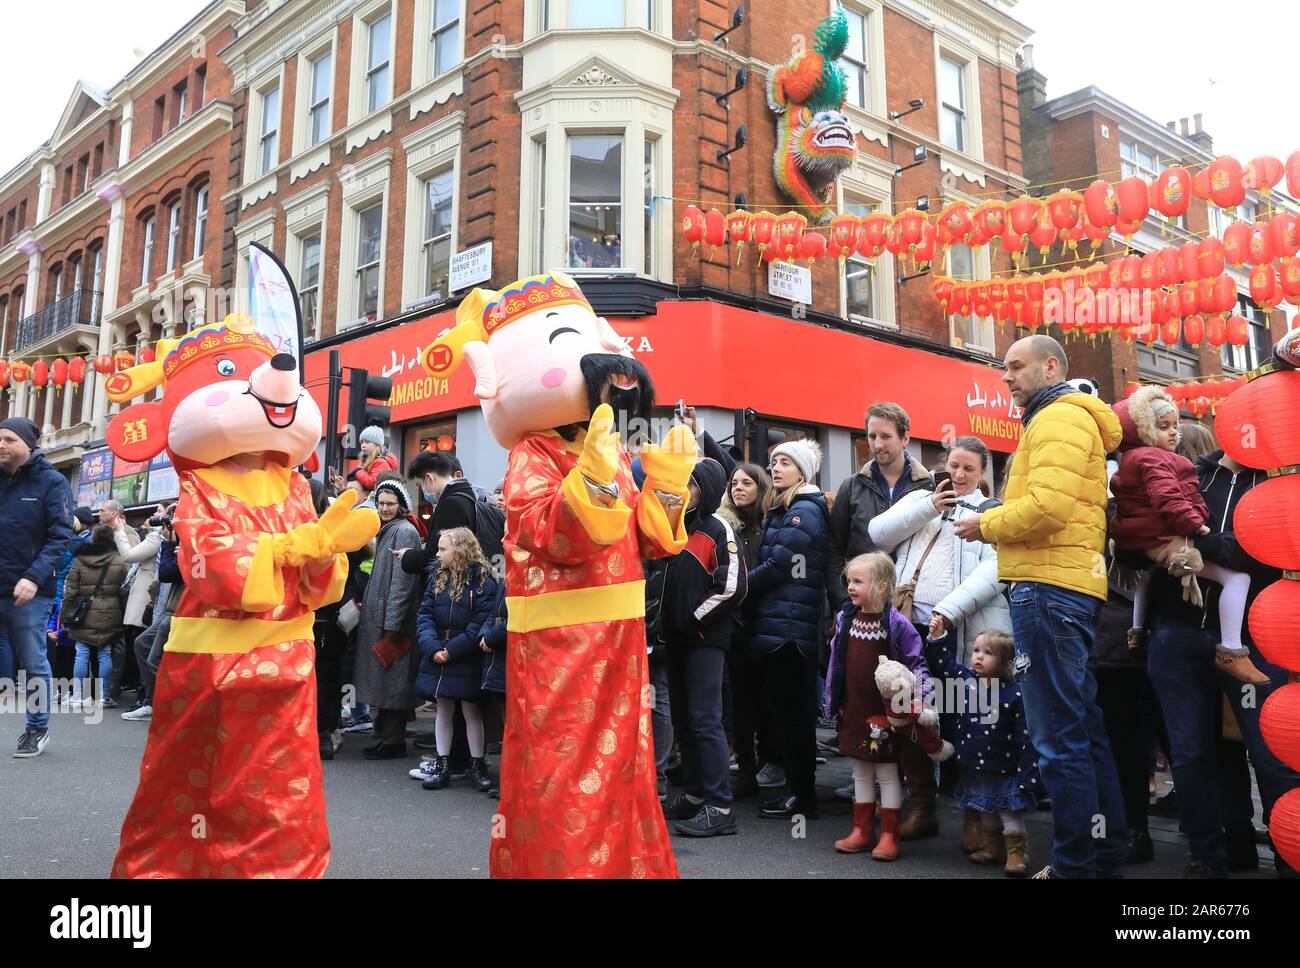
x,y
40,374
873,233
942,290
1284,827
59,372
1262,173
446,442
1013,242
842,236
103,364
1289,279
1022,214
1272,623
124,360
1238,331
1130,271
789,230
1201,185
1284,233
1293,174
955,223
911,225
1065,208
77,369
1044,234
1256,425
4,375
762,228
1194,330
1188,264
1096,234
1133,200
1205,299
925,249
1187,301
1260,245
1260,522
715,231
1127,229
738,224
989,219
1226,189
1173,192
20,372
1216,331
1209,257
1225,295
146,355
1101,203
1170,265
1151,275
693,226
812,246
1171,331
1263,286
1236,243
1279,722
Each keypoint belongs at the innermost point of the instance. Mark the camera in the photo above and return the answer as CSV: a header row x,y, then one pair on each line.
x,y
161,520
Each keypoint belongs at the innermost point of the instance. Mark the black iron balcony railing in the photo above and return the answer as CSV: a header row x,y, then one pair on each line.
x,y
80,308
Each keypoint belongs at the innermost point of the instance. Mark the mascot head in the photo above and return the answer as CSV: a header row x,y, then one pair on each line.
x,y
814,140
541,358
226,392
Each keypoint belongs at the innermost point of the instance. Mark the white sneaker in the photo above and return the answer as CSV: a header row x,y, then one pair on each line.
x,y
75,705
142,715
423,771
771,776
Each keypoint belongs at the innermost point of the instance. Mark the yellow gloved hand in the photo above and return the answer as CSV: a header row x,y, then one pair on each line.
x,y
350,529
598,461
669,464
306,542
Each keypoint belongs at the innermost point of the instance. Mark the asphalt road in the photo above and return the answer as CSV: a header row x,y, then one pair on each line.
x,y
60,815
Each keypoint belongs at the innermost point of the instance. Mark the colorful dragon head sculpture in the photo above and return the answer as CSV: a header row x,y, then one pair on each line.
x,y
814,140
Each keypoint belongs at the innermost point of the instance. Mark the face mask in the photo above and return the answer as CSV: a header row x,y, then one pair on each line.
x,y
429,495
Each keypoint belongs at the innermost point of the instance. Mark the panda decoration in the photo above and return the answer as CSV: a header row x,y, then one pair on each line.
x,y
1086,385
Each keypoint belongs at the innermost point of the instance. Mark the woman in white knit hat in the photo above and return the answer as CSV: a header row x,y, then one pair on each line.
x,y
786,590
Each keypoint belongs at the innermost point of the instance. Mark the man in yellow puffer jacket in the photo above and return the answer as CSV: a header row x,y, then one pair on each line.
x,y
1050,534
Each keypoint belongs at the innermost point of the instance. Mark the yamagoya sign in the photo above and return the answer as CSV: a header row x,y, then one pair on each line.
x,y
713,355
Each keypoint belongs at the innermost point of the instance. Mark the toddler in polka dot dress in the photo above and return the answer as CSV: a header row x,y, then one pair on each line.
x,y
995,758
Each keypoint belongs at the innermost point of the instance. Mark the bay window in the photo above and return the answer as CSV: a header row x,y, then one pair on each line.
x,y
595,234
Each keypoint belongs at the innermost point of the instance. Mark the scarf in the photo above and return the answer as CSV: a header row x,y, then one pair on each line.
x,y
1048,394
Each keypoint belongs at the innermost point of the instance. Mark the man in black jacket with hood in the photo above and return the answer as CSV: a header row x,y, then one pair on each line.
x,y
1189,686
701,586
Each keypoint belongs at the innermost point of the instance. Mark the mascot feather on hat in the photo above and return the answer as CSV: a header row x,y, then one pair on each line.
x,y
230,782
578,792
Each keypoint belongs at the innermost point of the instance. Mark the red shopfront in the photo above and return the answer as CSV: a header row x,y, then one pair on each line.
x,y
724,357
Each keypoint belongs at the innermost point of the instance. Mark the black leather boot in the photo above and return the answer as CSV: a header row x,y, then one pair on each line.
x,y
440,777
478,768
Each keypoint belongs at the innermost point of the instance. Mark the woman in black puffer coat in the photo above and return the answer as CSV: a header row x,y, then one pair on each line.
x,y
786,589
460,601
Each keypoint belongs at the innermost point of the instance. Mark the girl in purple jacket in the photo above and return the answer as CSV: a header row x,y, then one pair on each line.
x,y
1157,496
869,628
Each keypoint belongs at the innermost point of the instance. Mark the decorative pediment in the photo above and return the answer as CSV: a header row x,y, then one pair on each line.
x,y
595,75
85,101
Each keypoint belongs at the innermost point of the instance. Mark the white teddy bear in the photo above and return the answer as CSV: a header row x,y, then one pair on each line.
x,y
906,713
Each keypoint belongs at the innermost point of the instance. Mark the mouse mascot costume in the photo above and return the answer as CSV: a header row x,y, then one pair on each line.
x,y
230,782
578,795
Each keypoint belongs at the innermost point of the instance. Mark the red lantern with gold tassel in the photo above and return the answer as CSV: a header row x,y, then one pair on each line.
x,y
954,223
1170,332
1260,246
1044,233
19,372
1173,192
1262,174
1022,214
715,230
59,373
989,220
842,236
1095,234
1194,330
4,375
1289,279
1226,189
762,229
789,231
1014,243
1272,623
1205,297
77,370
1151,274
1236,243
1216,330
1065,208
1132,200
1209,257
1101,204
873,233
146,354
738,226
103,364
1201,184
925,249
1171,270
40,374
942,290
1187,301
895,243
1263,286
1284,233
693,226
1225,294
1189,269
812,246
1238,331
1128,229
124,360
911,226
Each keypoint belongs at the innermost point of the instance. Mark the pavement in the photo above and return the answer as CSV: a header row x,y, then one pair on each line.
x,y
60,815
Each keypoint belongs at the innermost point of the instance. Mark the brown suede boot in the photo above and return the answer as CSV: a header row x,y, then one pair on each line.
x,y
918,772
887,848
1239,666
993,849
971,839
1017,854
863,837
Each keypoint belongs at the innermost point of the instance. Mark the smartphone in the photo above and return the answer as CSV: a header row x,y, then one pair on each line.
x,y
681,409
940,478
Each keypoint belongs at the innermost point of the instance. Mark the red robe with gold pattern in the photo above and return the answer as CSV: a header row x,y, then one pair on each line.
x,y
230,782
578,793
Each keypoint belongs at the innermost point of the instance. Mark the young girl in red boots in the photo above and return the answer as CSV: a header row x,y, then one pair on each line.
x,y
867,630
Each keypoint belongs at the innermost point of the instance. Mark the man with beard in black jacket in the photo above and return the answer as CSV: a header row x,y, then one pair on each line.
x,y
1188,684
701,586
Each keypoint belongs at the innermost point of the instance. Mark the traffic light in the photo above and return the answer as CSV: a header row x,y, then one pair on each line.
x,y
362,413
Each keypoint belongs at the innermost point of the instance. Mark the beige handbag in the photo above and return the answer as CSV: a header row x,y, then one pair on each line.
x,y
903,593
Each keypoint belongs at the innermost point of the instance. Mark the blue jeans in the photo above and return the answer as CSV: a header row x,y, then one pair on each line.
x,y
1054,631
7,668
25,625
1180,660
81,668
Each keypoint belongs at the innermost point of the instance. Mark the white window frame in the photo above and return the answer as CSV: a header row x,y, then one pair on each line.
x,y
367,182
259,86
264,165
958,326
200,222
953,50
542,16
97,276
870,183
183,100
378,265
77,270
1149,173
624,257
358,87
301,239
873,41
430,151
173,235
306,214
146,259
1233,357
326,46
423,61
58,283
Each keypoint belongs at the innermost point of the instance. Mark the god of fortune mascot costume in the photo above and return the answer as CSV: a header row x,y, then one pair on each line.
x,y
230,783
578,796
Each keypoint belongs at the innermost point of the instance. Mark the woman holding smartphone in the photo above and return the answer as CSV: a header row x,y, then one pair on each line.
x,y
954,589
